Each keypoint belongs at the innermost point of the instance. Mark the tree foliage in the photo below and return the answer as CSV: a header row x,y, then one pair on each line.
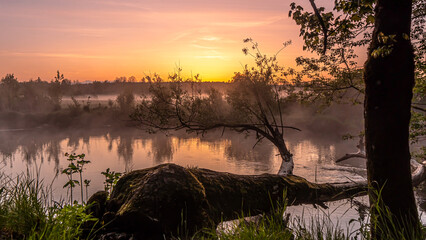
x,y
336,36
389,76
254,103
335,74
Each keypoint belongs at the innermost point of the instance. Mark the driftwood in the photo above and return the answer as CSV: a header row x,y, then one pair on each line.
x,y
169,199
418,175
359,154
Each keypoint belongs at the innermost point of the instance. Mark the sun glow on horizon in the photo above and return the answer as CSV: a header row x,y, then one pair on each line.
x,y
102,40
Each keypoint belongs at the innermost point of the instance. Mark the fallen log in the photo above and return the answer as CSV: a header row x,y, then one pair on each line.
x,y
171,200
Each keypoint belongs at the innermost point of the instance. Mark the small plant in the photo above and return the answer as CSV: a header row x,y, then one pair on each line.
x,y
76,165
111,178
273,225
86,185
27,211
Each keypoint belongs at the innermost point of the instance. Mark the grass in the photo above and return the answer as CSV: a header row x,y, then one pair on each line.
x,y
27,211
279,225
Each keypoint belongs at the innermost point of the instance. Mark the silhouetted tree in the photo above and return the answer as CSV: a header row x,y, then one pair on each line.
x,y
126,101
132,79
55,92
9,92
389,82
254,104
389,79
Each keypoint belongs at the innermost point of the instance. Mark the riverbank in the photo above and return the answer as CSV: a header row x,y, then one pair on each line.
x,y
97,117
27,212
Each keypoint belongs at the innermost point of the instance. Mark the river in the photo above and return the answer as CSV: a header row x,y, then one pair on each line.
x,y
41,151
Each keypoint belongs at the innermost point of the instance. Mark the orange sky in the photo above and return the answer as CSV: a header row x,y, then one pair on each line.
x,y
104,39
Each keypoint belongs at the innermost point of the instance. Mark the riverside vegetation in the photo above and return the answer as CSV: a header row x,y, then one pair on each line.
x,y
36,216
28,211
38,103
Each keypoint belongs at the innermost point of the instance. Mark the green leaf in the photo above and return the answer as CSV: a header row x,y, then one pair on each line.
x,y
405,36
371,19
355,18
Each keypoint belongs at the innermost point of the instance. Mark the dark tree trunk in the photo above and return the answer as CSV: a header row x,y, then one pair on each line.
x,y
168,199
389,80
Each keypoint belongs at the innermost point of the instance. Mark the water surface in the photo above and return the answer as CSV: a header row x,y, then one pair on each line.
x,y
123,150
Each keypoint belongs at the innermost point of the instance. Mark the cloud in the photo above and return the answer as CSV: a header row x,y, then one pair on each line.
x,y
132,6
210,38
55,55
210,57
248,24
181,35
82,31
204,47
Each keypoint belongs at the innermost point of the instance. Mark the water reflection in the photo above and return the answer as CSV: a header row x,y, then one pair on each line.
x,y
239,150
127,149
162,148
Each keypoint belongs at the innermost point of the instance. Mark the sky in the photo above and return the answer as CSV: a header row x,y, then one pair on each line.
x,y
100,40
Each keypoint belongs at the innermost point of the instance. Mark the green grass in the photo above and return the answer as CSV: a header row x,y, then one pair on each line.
x,y
27,211
277,225
316,227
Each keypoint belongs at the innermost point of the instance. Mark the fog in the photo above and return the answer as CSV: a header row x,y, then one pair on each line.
x,y
38,126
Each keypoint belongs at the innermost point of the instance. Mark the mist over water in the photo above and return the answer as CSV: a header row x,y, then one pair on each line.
x,y
127,149
122,149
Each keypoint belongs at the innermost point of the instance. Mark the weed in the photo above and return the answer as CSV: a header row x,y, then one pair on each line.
x,y
27,211
76,165
111,178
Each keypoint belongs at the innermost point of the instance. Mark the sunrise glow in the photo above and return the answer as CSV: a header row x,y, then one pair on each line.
x,y
102,40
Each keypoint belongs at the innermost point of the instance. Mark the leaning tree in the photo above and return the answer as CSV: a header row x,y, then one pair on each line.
x,y
254,103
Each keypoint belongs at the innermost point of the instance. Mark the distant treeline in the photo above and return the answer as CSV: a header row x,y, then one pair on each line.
x,y
43,96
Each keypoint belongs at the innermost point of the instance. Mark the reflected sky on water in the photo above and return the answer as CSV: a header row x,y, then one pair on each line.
x,y
127,149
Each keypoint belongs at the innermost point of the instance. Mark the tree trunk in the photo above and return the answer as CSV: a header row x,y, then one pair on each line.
x,y
287,164
170,199
389,80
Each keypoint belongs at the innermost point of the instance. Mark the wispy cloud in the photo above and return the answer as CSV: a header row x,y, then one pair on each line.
x,y
82,31
133,6
210,38
54,55
210,57
204,47
180,36
247,24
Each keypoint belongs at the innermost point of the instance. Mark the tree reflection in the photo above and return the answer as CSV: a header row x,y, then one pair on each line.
x,y
162,148
53,150
125,150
